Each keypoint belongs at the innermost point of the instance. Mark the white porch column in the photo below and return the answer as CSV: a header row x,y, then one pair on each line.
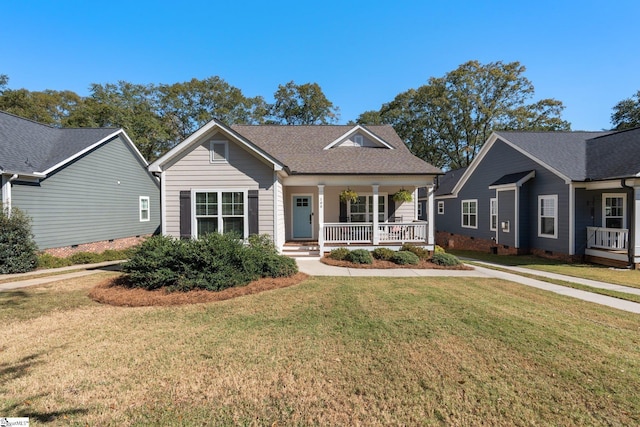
x,y
6,193
636,228
376,232
431,239
321,218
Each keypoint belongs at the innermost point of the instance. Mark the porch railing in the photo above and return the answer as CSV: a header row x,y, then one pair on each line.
x,y
362,232
607,238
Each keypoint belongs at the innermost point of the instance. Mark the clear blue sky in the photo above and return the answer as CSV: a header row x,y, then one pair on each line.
x,y
362,53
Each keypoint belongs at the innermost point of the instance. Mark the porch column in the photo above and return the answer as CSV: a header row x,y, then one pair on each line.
x,y
431,240
376,232
636,228
321,218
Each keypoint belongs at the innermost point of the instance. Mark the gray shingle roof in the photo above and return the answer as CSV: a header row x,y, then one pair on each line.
x,y
28,147
511,178
614,156
448,181
301,149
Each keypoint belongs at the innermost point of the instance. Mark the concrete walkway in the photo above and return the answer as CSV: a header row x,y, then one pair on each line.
x,y
23,280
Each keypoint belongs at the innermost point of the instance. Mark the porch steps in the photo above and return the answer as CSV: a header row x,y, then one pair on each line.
x,y
301,250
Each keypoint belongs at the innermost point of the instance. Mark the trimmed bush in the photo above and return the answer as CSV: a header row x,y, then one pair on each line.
x,y
443,258
214,262
46,260
405,258
360,256
439,249
17,247
384,254
421,253
339,254
85,258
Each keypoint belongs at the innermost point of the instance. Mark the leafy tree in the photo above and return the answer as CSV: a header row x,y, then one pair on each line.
x,y
446,121
626,113
4,81
303,104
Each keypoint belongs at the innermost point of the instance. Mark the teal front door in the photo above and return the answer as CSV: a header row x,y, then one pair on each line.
x,y
302,220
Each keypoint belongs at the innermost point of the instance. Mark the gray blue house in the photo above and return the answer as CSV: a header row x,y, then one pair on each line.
x,y
84,189
568,195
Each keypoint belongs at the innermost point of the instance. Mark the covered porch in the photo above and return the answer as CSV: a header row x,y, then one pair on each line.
x,y
608,245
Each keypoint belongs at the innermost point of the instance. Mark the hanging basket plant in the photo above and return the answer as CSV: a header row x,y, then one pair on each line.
x,y
348,195
402,195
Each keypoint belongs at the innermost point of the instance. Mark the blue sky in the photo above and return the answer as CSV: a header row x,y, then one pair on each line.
x,y
362,53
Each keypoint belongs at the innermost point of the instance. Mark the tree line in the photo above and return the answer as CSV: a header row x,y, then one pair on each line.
x,y
444,122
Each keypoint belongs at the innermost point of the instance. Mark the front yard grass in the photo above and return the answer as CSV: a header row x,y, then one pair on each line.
x,y
587,271
331,351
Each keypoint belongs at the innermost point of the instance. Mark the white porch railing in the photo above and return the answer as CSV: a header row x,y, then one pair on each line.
x,y
607,238
362,232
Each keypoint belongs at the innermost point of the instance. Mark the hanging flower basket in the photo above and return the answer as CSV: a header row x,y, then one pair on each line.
x,y
402,195
348,195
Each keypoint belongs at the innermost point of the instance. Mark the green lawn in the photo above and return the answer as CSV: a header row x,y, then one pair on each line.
x,y
331,351
588,271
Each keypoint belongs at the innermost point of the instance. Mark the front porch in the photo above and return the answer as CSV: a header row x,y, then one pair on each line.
x,y
608,246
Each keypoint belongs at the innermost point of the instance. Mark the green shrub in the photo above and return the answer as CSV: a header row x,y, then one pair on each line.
x,y
360,256
421,253
84,258
17,247
442,258
384,254
46,260
439,249
405,258
339,254
214,262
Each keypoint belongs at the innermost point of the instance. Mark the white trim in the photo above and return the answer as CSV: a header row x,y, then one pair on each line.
x,y
212,151
492,214
380,195
440,204
623,196
245,201
355,180
462,202
513,185
359,128
572,219
163,203
554,197
358,140
276,241
320,218
140,209
431,217
6,192
310,195
516,217
419,209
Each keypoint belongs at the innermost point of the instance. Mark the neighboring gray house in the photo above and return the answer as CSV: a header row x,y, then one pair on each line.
x,y
285,181
84,189
560,194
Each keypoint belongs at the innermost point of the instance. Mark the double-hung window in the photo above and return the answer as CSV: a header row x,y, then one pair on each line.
x,y
220,211
548,216
613,210
144,209
440,207
362,209
493,214
470,213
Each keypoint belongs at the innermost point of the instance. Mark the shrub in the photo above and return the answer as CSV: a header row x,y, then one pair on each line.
x,y
384,254
339,254
421,253
439,249
442,258
405,258
46,260
360,256
17,247
84,258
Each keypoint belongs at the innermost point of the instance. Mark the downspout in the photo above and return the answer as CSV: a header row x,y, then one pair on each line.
x,y
630,223
6,194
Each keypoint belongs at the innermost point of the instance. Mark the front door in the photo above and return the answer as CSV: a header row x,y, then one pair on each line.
x,y
302,220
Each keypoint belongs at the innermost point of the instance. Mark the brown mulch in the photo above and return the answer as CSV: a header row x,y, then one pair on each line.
x,y
112,292
422,264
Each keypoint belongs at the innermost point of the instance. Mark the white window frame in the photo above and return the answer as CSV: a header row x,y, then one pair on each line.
x,y
440,207
141,209
419,209
606,196
212,151
493,214
358,140
367,213
220,216
554,198
462,214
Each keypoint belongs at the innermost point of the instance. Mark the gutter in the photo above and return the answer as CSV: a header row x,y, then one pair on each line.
x,y
631,224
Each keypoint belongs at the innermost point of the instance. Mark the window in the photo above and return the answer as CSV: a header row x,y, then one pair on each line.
x,y
419,209
614,206
362,209
144,208
493,214
218,151
470,213
548,216
440,208
220,211
358,140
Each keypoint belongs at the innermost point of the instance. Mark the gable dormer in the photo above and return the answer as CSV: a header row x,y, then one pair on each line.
x,y
358,137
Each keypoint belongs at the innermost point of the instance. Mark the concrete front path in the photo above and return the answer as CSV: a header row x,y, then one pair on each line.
x,y
23,280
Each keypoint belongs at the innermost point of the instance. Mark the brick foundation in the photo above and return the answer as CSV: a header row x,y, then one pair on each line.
x,y
558,256
457,241
97,247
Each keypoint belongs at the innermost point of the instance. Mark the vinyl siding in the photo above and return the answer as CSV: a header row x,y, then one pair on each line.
x,y
242,171
95,198
506,212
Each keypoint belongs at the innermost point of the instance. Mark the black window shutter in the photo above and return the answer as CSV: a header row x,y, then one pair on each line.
x,y
392,208
185,214
253,212
343,212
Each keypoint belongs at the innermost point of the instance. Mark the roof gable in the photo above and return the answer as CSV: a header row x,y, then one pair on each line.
x,y
359,130
615,155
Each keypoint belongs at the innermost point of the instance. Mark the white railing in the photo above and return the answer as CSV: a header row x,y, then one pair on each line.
x,y
348,232
607,238
403,232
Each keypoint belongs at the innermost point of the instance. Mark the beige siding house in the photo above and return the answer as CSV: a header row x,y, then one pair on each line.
x,y
286,181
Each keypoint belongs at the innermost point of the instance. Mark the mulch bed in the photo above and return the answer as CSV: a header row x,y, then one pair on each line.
x,y
422,264
112,292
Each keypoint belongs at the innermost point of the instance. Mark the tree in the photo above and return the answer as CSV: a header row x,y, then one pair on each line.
x,y
626,113
303,104
4,81
446,121
17,247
